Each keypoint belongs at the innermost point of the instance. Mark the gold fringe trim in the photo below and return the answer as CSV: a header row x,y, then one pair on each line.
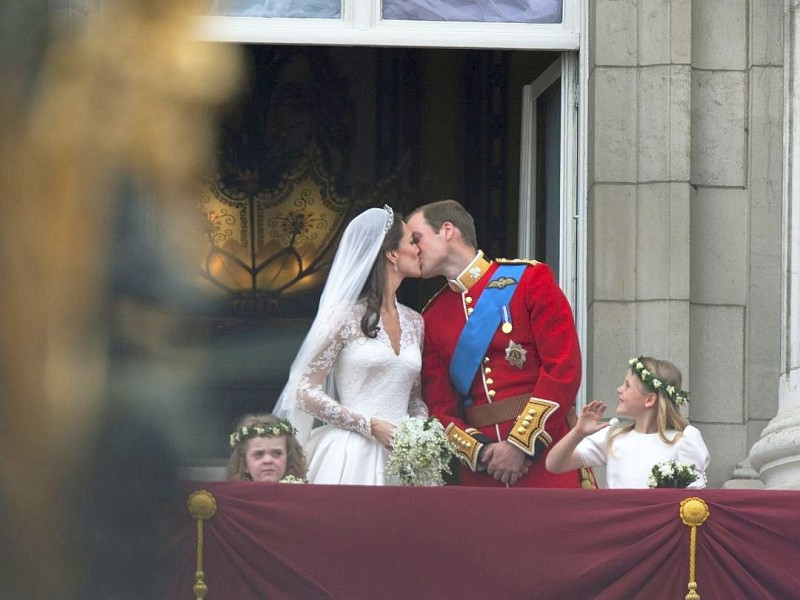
x,y
202,506
693,513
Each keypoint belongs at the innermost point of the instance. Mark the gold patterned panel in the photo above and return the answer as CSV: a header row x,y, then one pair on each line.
x,y
275,242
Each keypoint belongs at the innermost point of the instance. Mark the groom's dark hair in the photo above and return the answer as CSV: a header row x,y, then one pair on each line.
x,y
436,213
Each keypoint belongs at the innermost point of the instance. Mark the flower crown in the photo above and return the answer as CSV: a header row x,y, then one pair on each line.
x,y
654,384
282,427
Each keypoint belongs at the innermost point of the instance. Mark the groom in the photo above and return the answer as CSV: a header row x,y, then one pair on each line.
x,y
501,362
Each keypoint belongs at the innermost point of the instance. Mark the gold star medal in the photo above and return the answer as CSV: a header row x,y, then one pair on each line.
x,y
516,355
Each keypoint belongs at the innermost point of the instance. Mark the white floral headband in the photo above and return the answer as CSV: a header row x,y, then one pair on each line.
x,y
279,428
654,384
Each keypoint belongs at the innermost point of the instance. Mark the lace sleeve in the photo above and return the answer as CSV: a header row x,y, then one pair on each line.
x,y
311,396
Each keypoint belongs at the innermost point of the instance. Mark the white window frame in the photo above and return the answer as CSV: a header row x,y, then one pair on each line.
x,y
361,25
572,236
564,68
526,238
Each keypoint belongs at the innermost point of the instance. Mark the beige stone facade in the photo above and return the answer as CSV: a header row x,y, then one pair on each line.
x,y
686,195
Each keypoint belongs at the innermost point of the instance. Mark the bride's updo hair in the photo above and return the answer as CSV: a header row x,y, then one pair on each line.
x,y
372,292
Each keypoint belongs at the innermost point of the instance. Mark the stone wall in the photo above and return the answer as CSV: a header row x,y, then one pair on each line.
x,y
775,457
685,171
639,187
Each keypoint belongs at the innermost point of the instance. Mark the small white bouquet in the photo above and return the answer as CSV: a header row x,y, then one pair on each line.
x,y
672,474
291,479
421,452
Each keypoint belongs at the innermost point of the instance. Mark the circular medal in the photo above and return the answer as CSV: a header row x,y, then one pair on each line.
x,y
507,327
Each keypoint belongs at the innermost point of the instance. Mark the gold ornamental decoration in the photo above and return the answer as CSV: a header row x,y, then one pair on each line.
x,y
202,506
693,513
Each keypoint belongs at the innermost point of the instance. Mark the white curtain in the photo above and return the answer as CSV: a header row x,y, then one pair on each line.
x,y
504,11
298,9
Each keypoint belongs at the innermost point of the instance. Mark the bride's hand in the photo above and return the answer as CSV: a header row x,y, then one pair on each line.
x,y
382,431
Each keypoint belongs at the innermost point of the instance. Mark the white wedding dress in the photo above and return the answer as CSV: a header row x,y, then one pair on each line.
x,y
370,381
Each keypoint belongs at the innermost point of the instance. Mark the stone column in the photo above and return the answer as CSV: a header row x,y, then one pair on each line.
x,y
639,111
776,456
720,211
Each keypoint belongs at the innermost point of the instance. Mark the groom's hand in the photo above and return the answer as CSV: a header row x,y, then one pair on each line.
x,y
505,463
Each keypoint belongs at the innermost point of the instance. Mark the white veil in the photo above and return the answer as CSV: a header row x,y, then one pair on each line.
x,y
351,266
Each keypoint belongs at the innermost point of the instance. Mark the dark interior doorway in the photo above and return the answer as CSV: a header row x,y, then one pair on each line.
x,y
401,126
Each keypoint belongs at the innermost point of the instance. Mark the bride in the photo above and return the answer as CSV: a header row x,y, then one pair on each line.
x,y
358,370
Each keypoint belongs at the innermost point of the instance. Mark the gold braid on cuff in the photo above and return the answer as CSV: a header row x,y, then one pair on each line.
x,y
530,425
467,447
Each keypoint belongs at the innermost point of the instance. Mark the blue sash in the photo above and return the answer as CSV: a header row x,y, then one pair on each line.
x,y
481,327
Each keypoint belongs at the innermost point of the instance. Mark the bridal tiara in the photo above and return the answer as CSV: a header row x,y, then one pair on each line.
x,y
390,222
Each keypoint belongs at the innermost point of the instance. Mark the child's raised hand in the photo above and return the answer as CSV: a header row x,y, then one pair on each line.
x,y
589,420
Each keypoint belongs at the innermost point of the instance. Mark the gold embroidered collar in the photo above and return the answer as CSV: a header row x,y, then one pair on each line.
x,y
469,276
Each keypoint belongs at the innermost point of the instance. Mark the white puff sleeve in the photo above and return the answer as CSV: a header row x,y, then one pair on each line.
x,y
692,449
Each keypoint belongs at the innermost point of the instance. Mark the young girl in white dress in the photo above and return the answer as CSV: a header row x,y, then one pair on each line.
x,y
264,449
657,432
358,370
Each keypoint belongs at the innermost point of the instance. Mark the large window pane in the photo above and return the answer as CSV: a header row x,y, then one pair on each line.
x,y
503,11
292,9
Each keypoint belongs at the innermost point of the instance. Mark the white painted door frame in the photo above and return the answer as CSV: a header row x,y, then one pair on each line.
x,y
572,244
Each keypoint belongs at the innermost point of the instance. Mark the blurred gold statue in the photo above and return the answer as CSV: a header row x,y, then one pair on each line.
x,y
129,96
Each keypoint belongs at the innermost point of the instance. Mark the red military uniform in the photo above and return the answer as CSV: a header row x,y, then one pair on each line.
x,y
535,368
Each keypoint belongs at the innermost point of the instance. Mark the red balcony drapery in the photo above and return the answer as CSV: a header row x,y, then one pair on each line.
x,y
283,541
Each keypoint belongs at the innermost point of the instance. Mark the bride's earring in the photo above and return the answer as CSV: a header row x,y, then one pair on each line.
x,y
395,267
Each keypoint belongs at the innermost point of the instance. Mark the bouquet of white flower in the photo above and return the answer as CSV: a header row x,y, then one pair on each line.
x,y
292,479
421,452
672,474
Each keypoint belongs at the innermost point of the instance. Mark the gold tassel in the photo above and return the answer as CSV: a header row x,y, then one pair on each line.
x,y
202,506
588,480
694,513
